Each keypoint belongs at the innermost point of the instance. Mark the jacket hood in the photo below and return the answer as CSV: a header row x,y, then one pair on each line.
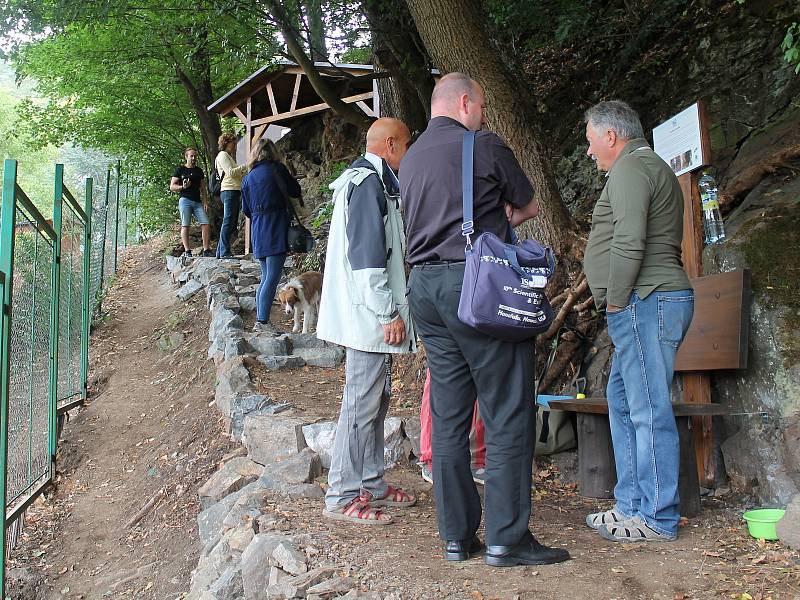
x,y
362,163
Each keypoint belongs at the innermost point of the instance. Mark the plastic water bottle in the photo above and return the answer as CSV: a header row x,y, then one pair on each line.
x,y
714,230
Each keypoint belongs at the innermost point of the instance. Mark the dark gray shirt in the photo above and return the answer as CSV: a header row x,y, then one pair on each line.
x,y
430,190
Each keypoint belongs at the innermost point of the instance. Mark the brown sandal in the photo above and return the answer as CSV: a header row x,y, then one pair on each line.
x,y
394,497
359,511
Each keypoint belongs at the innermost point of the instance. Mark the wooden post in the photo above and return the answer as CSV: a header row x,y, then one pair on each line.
x,y
598,474
697,386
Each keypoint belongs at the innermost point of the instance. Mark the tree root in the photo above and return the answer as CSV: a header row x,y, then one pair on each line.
x,y
572,296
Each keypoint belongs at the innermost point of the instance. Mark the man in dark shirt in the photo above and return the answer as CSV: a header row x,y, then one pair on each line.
x,y
465,363
187,181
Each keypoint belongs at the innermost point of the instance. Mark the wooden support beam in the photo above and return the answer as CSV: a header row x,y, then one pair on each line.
x,y
241,116
272,104
296,91
309,109
367,110
258,133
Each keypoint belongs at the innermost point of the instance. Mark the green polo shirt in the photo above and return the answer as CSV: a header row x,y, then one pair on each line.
x,y
637,229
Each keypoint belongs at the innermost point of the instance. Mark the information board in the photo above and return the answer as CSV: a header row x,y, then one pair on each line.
x,y
679,141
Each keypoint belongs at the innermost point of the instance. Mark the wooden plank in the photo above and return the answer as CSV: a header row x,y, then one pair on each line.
x,y
718,336
242,117
367,110
297,79
272,104
258,133
249,128
309,109
599,406
692,245
596,466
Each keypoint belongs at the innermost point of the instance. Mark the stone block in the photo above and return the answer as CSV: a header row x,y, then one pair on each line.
x,y
244,404
270,439
229,586
289,558
247,303
329,358
189,289
174,264
245,290
233,379
320,438
211,567
413,431
223,322
394,448
277,575
331,588
267,345
221,276
255,565
277,363
239,537
210,521
296,587
303,467
224,482
305,341
788,527
247,279
235,345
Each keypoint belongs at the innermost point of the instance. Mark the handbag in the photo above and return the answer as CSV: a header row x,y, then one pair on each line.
x,y
298,237
503,290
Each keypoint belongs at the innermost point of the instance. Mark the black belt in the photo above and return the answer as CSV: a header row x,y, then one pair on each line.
x,y
440,263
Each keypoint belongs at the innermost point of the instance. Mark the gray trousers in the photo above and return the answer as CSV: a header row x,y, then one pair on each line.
x,y
357,460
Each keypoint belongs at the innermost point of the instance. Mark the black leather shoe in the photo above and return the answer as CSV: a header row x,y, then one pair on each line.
x,y
463,549
527,552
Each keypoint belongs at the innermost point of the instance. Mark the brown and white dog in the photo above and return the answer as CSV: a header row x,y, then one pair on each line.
x,y
301,295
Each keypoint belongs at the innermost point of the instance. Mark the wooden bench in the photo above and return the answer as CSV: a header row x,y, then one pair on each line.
x,y
596,466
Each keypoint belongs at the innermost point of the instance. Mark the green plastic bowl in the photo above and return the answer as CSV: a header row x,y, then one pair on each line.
x,y
761,522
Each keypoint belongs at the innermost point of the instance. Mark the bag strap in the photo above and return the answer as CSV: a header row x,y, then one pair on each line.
x,y
467,190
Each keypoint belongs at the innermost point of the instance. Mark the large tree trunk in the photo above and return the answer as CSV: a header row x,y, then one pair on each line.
x,y
398,49
456,38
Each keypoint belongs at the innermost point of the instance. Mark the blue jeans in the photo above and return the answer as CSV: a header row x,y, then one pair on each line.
x,y
271,267
646,336
188,208
231,203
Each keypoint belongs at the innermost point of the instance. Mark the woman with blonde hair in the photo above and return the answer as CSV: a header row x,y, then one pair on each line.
x,y
231,177
265,201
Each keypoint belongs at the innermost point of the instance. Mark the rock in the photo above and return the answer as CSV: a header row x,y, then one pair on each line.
x,y
359,595
170,341
304,341
241,515
320,438
331,588
413,431
267,345
289,558
205,268
276,363
222,322
247,303
329,358
212,566
277,575
756,445
210,521
235,345
292,490
255,565
222,277
233,379
225,481
229,586
189,289
303,467
295,587
246,290
272,438
244,404
245,280
788,527
217,294
394,450
174,264
239,537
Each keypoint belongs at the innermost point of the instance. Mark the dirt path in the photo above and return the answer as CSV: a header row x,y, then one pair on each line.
x,y
148,433
151,437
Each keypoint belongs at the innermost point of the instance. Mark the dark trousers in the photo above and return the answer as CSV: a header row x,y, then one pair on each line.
x,y
464,363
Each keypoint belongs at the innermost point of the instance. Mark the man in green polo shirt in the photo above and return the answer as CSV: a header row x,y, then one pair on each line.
x,y
633,264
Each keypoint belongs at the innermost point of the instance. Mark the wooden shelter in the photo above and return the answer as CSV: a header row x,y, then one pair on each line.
x,y
281,94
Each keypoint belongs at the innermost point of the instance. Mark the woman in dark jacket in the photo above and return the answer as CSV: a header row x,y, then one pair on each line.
x,y
266,190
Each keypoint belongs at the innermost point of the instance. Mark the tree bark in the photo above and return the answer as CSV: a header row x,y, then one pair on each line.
x,y
348,112
455,36
398,49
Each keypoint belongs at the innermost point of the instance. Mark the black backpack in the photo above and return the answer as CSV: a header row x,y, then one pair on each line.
x,y
215,183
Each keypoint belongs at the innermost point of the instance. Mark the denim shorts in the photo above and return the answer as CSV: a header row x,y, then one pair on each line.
x,y
187,208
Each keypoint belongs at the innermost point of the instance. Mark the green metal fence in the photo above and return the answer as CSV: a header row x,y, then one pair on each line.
x,y
52,273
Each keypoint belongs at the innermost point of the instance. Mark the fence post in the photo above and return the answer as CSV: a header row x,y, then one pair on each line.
x,y
105,235
127,222
116,220
55,298
7,222
86,313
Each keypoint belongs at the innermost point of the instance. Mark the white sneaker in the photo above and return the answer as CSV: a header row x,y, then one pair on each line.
x,y
601,519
